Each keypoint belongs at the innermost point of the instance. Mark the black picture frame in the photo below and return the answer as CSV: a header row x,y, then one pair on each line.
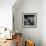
x,y
29,20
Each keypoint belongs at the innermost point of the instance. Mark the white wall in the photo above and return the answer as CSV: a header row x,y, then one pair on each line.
x,y
43,22
28,6
6,13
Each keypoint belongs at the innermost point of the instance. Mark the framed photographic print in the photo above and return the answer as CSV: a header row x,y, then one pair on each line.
x,y
29,20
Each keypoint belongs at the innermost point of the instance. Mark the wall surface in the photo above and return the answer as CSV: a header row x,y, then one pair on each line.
x,y
43,22
28,6
6,13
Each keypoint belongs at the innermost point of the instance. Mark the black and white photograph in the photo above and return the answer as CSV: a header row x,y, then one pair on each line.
x,y
29,19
